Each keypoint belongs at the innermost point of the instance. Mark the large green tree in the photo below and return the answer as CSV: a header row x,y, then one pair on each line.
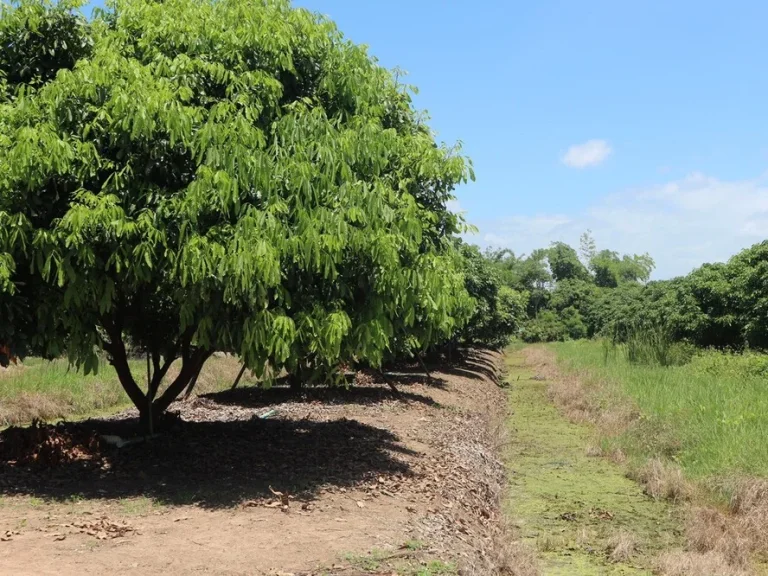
x,y
199,175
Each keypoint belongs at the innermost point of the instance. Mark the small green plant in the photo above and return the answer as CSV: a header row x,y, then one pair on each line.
x,y
371,561
437,568
414,545
137,506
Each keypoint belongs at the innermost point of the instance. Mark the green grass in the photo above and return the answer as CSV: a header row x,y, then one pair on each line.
x,y
716,405
54,390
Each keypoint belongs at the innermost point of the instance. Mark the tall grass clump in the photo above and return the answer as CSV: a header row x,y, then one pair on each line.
x,y
649,344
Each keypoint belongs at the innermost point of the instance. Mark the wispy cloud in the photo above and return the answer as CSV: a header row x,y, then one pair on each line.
x,y
590,153
682,223
454,206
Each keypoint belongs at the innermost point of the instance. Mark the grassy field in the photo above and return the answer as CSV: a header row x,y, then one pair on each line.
x,y
712,410
54,390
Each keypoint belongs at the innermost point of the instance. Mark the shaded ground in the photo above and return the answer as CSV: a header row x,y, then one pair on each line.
x,y
350,481
577,510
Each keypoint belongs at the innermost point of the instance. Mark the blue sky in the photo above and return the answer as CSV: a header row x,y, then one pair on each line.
x,y
671,95
642,120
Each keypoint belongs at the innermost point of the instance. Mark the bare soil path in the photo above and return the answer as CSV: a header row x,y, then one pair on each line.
x,y
335,482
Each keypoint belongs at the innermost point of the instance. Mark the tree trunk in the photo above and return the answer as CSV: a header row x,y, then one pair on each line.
x,y
191,387
152,415
239,376
296,382
424,366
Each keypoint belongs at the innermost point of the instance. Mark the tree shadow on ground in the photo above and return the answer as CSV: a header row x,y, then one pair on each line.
x,y
473,364
216,464
256,397
408,379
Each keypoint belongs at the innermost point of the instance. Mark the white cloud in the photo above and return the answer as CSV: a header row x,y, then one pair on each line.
x,y
454,206
681,224
590,153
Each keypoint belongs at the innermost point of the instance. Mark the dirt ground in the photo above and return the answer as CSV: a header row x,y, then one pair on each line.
x,y
346,482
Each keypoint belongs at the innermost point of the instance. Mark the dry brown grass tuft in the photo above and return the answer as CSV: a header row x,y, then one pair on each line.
x,y
749,493
663,481
710,530
697,564
749,504
571,397
739,532
622,547
510,557
10,371
617,456
594,451
28,406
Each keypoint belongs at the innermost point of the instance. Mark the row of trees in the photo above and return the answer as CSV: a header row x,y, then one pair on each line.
x,y
570,294
723,305
190,176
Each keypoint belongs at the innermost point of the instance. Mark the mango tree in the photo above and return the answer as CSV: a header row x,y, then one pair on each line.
x,y
197,175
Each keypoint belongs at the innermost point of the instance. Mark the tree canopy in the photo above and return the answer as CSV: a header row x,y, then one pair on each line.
x,y
196,175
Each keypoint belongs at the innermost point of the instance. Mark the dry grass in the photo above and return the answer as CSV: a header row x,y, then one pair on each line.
x,y
749,506
12,370
618,456
550,542
610,413
710,530
696,564
748,495
510,557
28,406
54,390
663,481
622,547
740,531
594,451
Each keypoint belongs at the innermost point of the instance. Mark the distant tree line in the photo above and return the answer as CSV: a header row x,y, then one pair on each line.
x,y
570,294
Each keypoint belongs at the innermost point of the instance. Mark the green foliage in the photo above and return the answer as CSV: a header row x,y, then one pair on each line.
x,y
610,270
228,175
653,345
499,309
722,305
564,263
573,323
546,327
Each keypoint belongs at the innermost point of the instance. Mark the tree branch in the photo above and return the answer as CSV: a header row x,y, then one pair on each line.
x,y
119,359
190,368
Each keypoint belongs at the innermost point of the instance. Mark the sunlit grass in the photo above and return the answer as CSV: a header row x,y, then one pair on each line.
x,y
716,405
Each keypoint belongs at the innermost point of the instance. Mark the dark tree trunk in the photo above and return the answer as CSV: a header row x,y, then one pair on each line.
x,y
296,382
239,376
151,408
